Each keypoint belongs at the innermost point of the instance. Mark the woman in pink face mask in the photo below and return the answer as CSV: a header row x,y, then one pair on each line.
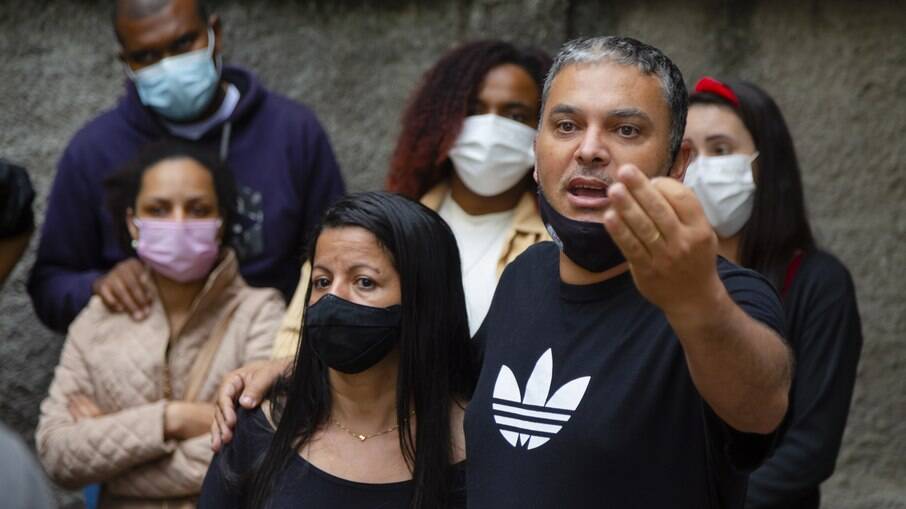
x,y
130,405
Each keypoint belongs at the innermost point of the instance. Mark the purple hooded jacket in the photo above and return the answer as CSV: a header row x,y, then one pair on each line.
x,y
285,172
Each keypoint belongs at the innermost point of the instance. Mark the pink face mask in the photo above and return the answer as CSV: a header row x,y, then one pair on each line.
x,y
179,250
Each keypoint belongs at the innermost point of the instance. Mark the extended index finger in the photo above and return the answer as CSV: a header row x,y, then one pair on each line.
x,y
682,200
650,199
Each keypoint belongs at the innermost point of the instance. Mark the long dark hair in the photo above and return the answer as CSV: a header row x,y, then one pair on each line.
x,y
435,367
448,92
122,188
779,225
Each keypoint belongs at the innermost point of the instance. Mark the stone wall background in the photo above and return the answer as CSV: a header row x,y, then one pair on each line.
x,y
837,69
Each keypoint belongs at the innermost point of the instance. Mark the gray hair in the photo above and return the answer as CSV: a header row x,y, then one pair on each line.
x,y
628,51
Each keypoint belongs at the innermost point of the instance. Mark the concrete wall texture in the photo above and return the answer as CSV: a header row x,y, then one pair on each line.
x,y
837,69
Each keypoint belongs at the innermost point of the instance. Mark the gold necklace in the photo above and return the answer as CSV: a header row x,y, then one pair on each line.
x,y
365,436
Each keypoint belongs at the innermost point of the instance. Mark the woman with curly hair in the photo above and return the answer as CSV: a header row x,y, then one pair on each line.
x,y
465,150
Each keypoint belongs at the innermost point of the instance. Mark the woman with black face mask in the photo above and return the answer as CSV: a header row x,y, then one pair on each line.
x,y
371,415
465,151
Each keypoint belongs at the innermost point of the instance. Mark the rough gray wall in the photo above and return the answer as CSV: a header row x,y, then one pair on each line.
x,y
837,69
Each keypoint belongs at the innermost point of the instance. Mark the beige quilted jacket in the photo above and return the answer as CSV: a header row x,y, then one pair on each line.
x,y
126,368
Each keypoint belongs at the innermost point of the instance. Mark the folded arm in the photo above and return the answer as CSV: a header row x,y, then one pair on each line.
x,y
81,451
179,474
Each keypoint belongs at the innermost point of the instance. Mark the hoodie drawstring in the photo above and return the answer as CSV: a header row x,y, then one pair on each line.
x,y
225,140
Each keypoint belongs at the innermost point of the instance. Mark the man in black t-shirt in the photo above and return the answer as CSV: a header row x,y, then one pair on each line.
x,y
624,366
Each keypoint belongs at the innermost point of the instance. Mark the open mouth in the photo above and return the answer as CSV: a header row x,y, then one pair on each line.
x,y
587,193
583,187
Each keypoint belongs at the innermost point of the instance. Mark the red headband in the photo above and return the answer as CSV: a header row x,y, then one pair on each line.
x,y
711,85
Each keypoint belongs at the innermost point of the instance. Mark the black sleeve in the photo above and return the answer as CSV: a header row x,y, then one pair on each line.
x,y
16,197
742,452
826,334
753,294
224,484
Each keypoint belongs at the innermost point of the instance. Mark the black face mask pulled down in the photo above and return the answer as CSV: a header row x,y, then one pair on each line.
x,y
588,245
350,337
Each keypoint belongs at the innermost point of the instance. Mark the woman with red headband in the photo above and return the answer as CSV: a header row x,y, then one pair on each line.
x,y
747,178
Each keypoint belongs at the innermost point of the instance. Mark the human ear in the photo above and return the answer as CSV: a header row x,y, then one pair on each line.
x,y
683,158
535,151
214,22
130,224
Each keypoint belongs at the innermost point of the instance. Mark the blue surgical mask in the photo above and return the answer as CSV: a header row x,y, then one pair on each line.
x,y
180,87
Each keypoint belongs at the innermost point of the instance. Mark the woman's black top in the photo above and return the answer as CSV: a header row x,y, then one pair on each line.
x,y
825,332
302,485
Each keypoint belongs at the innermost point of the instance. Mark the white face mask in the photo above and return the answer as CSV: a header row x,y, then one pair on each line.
x,y
492,153
725,187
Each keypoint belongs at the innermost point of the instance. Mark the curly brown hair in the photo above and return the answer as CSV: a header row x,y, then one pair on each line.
x,y
435,112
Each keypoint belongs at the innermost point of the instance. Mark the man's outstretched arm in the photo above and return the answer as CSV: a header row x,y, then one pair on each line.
x,y
741,367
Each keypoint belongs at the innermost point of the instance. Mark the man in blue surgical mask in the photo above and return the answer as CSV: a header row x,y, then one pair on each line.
x,y
177,85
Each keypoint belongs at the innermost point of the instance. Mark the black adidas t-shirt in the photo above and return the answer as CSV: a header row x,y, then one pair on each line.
x,y
585,399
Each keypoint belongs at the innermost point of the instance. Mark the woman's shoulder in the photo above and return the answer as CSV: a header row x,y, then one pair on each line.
x,y
97,321
251,438
254,425
824,270
252,301
824,261
95,312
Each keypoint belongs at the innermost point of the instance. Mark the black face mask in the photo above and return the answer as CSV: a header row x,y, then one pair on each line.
x,y
588,245
350,337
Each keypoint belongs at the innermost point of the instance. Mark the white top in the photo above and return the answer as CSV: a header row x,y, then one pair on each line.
x,y
196,130
480,240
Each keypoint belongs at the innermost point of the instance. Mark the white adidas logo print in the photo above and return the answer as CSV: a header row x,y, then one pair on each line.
x,y
528,421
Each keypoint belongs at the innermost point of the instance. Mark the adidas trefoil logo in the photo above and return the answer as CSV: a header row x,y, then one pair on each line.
x,y
531,420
